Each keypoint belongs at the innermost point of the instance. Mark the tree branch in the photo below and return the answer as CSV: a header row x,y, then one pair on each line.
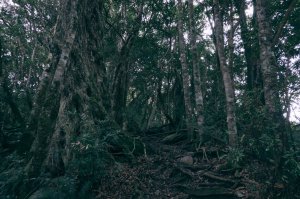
x,y
283,22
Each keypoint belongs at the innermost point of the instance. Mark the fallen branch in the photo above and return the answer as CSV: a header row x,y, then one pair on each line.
x,y
214,177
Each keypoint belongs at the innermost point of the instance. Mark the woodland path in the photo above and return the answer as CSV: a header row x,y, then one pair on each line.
x,y
172,171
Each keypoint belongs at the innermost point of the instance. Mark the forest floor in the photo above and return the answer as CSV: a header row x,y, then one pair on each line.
x,y
174,171
167,169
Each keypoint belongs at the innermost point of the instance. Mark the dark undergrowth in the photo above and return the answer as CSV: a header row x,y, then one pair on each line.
x,y
158,164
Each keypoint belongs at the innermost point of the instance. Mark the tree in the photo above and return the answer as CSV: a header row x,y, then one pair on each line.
x,y
250,44
72,87
120,79
185,70
196,71
268,67
228,83
82,81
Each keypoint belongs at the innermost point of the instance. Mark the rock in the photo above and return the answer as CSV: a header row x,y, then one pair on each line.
x,y
240,193
186,160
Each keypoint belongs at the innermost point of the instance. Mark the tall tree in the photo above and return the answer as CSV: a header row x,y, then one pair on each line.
x,y
120,81
228,82
185,69
250,44
196,70
69,99
268,67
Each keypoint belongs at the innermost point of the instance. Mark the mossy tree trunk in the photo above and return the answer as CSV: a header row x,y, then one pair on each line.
x,y
269,71
69,99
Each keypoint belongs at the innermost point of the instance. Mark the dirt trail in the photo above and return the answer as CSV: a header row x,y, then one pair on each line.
x,y
172,171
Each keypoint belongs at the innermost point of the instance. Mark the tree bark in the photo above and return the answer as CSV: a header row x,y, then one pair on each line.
x,y
230,36
69,98
249,47
267,63
121,74
2,137
228,83
196,72
162,105
185,70
267,60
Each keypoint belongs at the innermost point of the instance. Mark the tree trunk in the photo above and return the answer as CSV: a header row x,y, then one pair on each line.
x,y
121,74
230,37
266,57
69,98
196,72
178,97
267,63
120,88
185,70
228,83
249,47
162,105
2,137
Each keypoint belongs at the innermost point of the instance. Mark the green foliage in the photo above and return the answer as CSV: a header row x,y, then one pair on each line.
x,y
90,159
264,148
93,154
291,168
11,174
152,63
266,145
235,158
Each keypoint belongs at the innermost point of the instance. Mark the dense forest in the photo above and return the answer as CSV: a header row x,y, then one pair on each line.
x,y
149,99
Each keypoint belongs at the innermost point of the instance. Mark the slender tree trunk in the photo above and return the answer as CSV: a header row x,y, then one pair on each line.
x,y
249,46
185,70
2,137
121,74
228,83
178,97
196,72
120,89
230,37
162,105
151,113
